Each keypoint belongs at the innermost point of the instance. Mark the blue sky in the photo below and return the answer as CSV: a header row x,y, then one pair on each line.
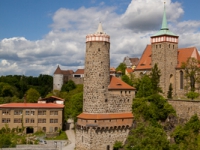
x,y
38,35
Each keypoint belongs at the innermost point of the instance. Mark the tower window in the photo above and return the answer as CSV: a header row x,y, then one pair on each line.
x,y
95,121
181,79
99,49
173,46
106,100
160,45
156,46
169,45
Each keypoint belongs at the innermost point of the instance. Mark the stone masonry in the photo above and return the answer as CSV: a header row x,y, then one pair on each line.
x,y
107,112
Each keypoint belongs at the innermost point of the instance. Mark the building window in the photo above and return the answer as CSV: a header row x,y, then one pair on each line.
x,y
41,120
5,112
32,112
27,112
41,112
53,112
17,120
53,120
5,120
32,120
27,120
17,112
181,79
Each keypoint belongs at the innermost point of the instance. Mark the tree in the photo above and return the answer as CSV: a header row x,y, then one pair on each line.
x,y
122,68
32,95
155,79
192,70
192,95
70,85
117,145
169,93
127,80
144,87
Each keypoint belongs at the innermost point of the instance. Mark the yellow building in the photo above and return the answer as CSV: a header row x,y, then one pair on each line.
x,y
32,116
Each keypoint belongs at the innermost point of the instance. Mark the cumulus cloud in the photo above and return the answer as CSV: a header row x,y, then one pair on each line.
x,y
65,44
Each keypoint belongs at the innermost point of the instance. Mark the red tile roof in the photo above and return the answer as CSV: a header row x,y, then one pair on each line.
x,y
31,105
183,55
64,72
112,69
134,61
118,84
105,116
129,70
145,60
79,71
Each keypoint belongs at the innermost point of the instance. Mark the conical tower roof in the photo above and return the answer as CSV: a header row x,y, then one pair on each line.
x,y
164,28
100,29
58,70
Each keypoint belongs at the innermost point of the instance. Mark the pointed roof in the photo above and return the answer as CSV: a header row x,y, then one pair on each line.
x,y
100,29
145,60
118,84
58,70
164,28
183,55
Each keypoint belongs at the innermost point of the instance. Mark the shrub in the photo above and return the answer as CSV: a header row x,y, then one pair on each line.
x,y
192,95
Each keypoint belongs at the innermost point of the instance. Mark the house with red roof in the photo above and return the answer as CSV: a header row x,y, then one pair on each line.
x,y
164,52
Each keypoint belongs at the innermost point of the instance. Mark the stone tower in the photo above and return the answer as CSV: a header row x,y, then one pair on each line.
x,y
107,101
57,79
164,46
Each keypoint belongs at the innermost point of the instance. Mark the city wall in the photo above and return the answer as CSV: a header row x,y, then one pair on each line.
x,y
185,109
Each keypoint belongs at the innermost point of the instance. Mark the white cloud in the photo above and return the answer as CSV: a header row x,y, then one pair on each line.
x,y
65,43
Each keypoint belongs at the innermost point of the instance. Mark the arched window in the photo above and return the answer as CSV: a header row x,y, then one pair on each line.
x,y
181,79
108,147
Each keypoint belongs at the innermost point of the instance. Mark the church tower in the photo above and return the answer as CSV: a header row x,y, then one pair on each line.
x,y
107,100
164,46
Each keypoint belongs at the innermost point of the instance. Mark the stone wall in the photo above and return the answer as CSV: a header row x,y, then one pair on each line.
x,y
165,55
93,139
185,109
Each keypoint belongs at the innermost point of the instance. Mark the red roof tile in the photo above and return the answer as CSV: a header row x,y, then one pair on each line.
x,y
129,70
58,70
183,55
105,116
64,72
116,83
134,61
79,71
145,60
31,105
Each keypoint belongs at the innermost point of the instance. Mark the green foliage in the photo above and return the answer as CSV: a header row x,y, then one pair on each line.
x,y
169,93
192,95
70,85
62,136
152,108
17,85
155,79
187,136
32,95
127,80
73,102
117,145
122,68
147,137
144,87
192,70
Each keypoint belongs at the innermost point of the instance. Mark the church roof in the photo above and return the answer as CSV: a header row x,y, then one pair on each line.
x,y
183,55
118,84
164,28
145,60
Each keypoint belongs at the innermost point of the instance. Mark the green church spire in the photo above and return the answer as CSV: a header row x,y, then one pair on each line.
x,y
164,21
164,28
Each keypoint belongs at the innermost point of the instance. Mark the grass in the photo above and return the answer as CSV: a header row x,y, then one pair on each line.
x,y
61,136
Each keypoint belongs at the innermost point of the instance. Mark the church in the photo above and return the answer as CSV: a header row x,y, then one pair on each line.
x,y
164,51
